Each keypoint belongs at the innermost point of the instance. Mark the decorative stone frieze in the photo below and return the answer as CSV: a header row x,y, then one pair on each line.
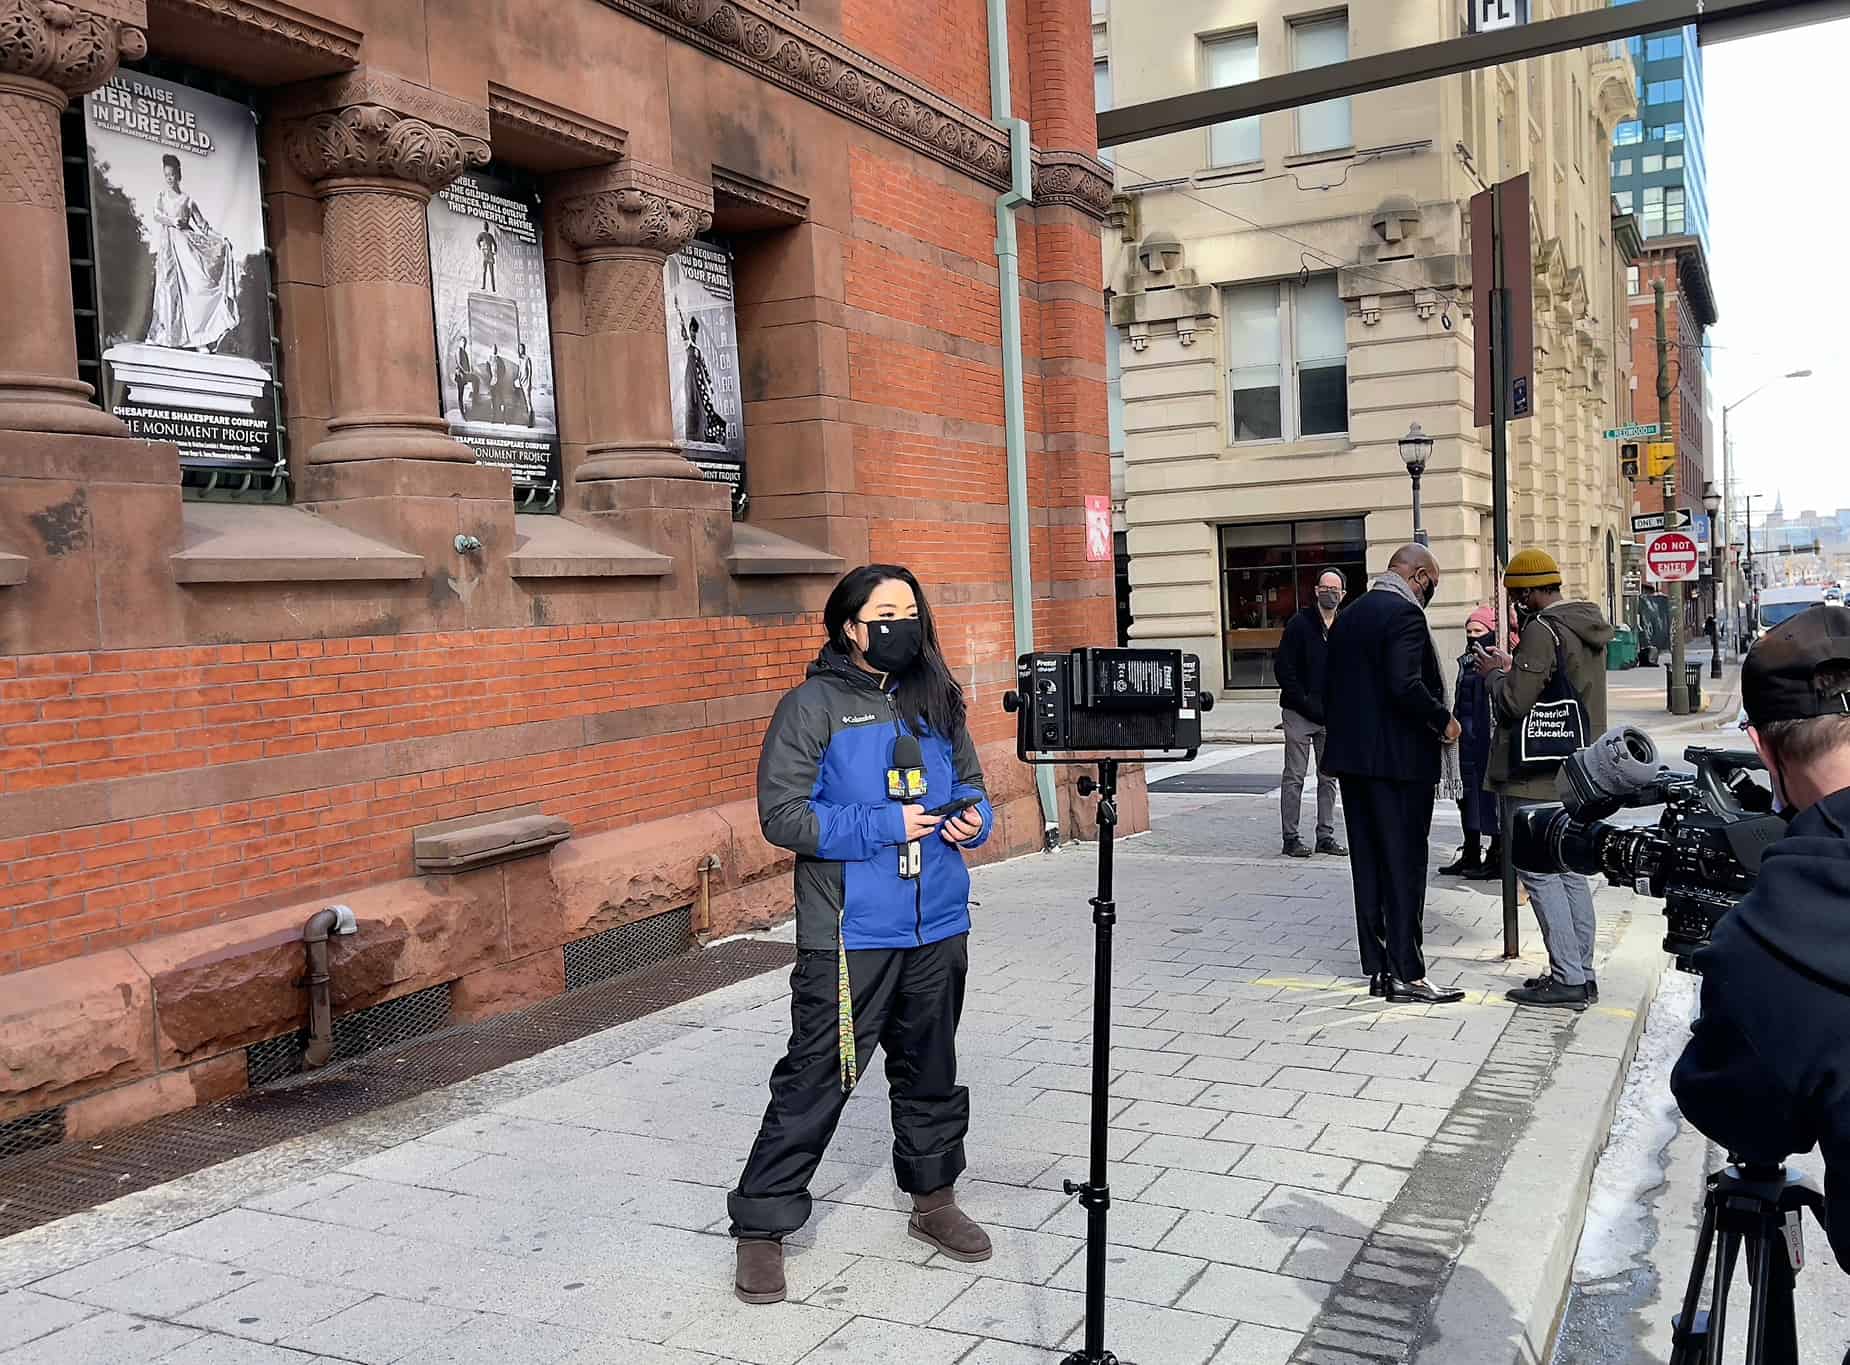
x,y
1076,180
313,39
574,138
50,52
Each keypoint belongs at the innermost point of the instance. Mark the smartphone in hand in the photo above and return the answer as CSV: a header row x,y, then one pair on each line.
x,y
957,807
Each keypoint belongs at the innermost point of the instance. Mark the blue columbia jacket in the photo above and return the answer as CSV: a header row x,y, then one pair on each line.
x,y
822,794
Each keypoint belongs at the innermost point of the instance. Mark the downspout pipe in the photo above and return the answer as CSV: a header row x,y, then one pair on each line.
x,y
1014,406
336,919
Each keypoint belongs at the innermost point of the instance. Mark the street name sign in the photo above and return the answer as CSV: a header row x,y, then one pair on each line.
x,y
1679,520
1487,16
1672,556
1637,431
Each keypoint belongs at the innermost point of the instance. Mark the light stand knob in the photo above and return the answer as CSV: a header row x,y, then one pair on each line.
x,y
1011,702
1086,785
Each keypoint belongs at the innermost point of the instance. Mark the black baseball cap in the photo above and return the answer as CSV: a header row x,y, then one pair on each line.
x,y
1778,679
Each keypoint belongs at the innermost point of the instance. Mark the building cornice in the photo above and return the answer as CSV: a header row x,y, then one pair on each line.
x,y
306,35
776,46
584,140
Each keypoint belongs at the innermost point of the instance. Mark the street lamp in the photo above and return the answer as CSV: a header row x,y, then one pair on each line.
x,y
1728,498
1712,503
1415,450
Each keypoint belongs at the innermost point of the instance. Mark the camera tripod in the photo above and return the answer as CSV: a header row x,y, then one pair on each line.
x,y
1095,1193
1761,1208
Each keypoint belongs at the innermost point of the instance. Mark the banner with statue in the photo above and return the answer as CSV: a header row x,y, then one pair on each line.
x,y
182,274
494,333
703,364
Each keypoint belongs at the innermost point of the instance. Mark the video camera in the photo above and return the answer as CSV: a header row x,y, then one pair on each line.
x,y
1700,858
1107,701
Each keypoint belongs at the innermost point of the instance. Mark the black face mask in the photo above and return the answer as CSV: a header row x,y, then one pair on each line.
x,y
893,646
1426,593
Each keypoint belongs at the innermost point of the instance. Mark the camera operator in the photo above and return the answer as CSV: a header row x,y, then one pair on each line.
x,y
1563,653
883,916
1767,1071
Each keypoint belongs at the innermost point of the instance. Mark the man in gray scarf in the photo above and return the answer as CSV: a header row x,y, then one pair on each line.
x,y
1390,731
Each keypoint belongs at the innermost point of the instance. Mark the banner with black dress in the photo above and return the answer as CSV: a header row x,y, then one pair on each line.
x,y
703,364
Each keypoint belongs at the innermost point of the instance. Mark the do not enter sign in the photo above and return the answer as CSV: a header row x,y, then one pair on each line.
x,y
1671,556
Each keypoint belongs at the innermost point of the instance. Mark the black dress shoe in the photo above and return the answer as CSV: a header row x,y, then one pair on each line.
x,y
1462,866
1535,983
1331,847
1377,985
1554,995
1421,993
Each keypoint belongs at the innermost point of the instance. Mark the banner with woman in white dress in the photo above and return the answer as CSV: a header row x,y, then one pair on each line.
x,y
182,278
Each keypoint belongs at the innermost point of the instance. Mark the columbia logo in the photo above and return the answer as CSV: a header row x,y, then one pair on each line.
x,y
858,720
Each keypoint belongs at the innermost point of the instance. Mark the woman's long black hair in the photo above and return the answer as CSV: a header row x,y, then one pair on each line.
x,y
926,694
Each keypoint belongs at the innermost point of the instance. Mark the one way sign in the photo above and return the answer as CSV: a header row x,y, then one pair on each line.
x,y
1487,16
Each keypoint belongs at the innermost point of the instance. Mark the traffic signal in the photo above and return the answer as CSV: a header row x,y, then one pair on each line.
x,y
1628,460
1660,457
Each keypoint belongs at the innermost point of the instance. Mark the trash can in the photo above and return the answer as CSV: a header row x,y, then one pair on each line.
x,y
1692,687
1622,650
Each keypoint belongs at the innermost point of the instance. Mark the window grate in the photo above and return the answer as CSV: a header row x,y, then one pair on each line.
x,y
30,1132
377,1026
628,948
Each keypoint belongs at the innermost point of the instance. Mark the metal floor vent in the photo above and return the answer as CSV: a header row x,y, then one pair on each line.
x,y
355,1035
30,1132
39,1186
628,948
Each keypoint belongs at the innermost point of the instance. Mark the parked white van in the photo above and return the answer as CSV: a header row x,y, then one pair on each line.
x,y
1781,604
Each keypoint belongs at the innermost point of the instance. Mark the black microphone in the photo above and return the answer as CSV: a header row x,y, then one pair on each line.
x,y
905,782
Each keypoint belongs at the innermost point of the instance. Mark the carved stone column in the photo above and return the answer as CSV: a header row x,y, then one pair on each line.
x,y
50,52
625,222
376,147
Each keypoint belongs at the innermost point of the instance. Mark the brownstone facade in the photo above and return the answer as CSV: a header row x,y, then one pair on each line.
x,y
219,715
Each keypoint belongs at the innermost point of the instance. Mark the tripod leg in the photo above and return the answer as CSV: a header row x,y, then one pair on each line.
x,y
1718,1302
1772,1334
1690,1327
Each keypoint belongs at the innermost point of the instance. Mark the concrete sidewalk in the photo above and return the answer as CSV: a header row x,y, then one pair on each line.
x,y
1299,1168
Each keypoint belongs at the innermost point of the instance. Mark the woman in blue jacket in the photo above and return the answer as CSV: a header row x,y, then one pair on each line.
x,y
856,759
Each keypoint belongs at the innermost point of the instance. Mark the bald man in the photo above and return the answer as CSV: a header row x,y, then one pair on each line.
x,y
1384,704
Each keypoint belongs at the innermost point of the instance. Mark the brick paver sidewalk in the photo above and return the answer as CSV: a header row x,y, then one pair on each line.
x,y
1267,1115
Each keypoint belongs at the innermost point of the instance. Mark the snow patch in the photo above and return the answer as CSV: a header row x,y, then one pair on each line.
x,y
1616,1234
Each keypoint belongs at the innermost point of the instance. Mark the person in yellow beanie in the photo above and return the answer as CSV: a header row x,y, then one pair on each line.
x,y
1560,665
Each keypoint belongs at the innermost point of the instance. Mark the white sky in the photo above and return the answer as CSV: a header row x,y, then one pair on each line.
x,y
1776,202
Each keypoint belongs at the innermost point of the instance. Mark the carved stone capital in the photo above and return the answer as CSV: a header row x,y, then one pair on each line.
x,y
374,124
72,45
1076,180
633,206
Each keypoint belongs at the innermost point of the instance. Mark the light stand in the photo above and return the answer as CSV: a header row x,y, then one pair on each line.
x,y
1095,1194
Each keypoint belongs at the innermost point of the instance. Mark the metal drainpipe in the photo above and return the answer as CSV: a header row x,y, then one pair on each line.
x,y
1015,424
336,919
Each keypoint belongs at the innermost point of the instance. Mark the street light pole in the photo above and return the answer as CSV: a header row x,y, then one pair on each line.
x,y
1728,497
1415,450
1712,503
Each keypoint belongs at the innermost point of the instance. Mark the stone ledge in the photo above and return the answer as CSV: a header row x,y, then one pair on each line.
x,y
236,543
758,552
552,547
12,569
473,841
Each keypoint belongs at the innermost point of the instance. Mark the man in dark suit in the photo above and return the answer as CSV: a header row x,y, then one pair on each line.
x,y
1384,704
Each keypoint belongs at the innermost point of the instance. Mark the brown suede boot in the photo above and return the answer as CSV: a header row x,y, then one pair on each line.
x,y
938,1222
760,1277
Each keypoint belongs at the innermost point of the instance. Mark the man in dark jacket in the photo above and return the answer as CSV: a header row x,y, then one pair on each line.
x,y
1555,633
1384,707
1764,1074
1300,665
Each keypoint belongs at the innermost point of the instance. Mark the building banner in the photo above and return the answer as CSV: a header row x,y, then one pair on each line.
x,y
494,333
182,278
703,364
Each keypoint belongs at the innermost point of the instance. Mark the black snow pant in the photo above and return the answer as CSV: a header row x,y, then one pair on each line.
x,y
908,1002
1389,824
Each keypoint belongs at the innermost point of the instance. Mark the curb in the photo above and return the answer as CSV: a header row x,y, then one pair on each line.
x,y
1245,737
1520,1255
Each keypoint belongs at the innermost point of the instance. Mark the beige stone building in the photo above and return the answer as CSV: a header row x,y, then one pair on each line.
x,y
1292,292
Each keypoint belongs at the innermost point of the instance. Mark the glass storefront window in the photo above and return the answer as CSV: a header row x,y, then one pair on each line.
x,y
1268,571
